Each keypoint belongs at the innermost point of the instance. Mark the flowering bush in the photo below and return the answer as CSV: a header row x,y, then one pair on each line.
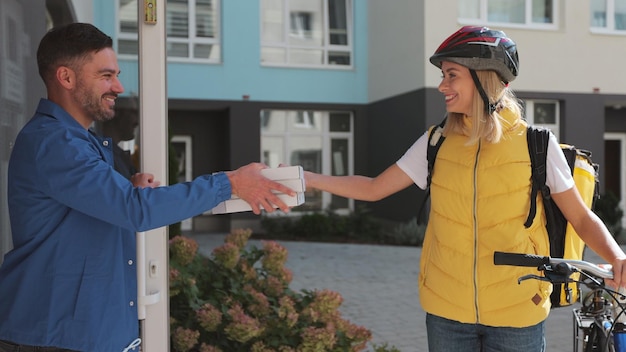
x,y
239,300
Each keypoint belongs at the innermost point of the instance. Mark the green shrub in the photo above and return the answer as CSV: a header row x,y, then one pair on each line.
x,y
608,210
238,300
358,226
385,348
407,234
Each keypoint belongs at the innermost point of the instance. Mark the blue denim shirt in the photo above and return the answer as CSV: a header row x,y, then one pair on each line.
x,y
70,281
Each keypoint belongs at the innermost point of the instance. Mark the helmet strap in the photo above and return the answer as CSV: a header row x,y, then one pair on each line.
x,y
489,108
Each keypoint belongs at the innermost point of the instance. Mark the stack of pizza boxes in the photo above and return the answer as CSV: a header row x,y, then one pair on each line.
x,y
290,176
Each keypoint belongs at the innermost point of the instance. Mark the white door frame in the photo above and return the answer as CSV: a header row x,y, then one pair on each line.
x,y
152,246
620,136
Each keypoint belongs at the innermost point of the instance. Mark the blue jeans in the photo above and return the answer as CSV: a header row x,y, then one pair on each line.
x,y
6,346
447,335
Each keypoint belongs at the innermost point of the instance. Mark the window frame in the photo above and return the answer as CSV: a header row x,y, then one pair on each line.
x,y
185,143
529,114
609,20
483,18
326,135
326,47
191,40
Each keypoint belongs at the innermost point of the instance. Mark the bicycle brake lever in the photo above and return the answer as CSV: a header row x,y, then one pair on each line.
x,y
557,277
531,276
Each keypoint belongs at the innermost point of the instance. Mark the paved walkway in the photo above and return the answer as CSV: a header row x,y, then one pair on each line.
x,y
379,287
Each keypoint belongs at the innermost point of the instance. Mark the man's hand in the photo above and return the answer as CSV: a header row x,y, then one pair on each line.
x,y
144,180
248,184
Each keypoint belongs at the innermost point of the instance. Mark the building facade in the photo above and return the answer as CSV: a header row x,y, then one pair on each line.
x,y
338,86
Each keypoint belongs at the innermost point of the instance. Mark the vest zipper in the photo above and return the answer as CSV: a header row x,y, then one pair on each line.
x,y
475,195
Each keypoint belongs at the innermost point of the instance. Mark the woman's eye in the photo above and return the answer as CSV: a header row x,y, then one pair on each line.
x,y
449,76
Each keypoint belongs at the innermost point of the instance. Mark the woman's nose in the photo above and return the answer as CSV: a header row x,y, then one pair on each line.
x,y
442,85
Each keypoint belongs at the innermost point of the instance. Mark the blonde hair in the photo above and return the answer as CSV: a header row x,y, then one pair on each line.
x,y
484,125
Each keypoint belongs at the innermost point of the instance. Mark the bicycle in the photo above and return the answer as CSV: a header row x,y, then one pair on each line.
x,y
599,324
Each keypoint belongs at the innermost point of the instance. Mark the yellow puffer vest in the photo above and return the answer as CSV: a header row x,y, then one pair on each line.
x,y
479,203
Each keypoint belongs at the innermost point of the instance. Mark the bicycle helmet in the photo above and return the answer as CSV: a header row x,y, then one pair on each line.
x,y
480,48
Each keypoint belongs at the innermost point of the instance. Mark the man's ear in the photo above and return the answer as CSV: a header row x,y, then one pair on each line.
x,y
66,77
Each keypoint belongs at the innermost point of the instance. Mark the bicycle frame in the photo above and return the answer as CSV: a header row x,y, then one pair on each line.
x,y
593,323
599,323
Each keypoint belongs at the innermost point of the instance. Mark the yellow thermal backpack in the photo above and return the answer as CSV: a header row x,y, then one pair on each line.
x,y
564,241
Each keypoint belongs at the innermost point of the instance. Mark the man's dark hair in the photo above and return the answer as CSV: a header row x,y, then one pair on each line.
x,y
68,45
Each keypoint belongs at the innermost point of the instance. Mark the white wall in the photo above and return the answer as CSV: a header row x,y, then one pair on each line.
x,y
396,41
572,59
83,10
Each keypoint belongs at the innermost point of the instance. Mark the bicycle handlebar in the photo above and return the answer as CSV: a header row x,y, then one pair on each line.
x,y
531,260
518,259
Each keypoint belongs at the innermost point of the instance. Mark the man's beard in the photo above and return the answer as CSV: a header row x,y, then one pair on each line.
x,y
92,104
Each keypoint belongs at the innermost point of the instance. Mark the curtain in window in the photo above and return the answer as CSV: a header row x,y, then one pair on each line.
x,y
337,22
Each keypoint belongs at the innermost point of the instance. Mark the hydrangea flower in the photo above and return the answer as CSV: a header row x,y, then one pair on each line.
x,y
209,317
324,306
259,346
249,273
174,278
183,249
273,286
358,334
243,327
227,255
285,275
318,339
287,311
260,306
274,258
185,339
238,237
208,348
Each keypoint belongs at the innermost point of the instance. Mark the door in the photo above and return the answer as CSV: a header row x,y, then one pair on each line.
x,y
615,167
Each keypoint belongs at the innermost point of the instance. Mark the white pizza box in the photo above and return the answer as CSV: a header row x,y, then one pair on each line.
x,y
284,173
297,185
238,205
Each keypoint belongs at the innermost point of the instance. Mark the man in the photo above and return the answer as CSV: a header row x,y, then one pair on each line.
x,y
70,281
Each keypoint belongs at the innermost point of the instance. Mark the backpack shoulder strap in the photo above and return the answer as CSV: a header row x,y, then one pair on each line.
x,y
435,139
538,150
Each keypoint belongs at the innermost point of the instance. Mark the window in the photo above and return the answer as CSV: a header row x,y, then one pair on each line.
x,y
306,33
608,15
182,145
193,30
511,13
300,23
319,141
544,113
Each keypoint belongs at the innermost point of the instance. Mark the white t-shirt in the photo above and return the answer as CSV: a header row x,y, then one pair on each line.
x,y
558,174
